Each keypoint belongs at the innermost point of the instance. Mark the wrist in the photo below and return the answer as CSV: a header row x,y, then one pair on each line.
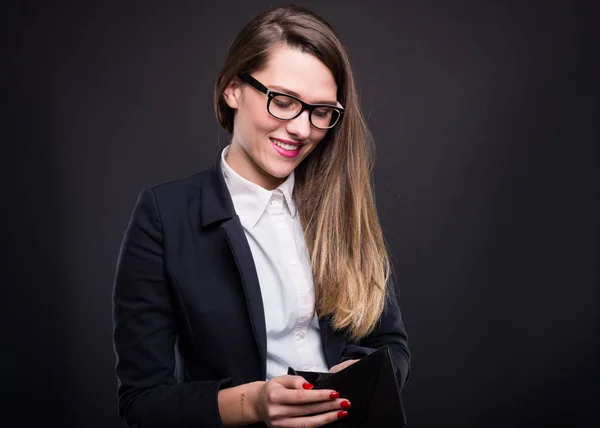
x,y
252,400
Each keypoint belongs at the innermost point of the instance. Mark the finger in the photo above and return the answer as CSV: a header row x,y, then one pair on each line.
x,y
314,421
315,408
341,366
302,396
293,382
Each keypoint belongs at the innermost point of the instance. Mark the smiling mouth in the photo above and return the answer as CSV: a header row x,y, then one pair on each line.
x,y
286,146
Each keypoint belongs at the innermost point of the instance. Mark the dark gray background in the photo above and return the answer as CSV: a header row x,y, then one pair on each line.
x,y
485,121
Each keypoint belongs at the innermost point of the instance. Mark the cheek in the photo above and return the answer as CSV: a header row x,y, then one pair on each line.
x,y
317,136
257,123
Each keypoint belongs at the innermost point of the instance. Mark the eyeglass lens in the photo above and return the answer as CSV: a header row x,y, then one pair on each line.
x,y
284,107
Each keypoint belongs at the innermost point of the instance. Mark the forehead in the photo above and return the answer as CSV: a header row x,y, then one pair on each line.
x,y
290,69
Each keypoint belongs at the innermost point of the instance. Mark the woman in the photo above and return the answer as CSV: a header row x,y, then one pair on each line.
x,y
273,258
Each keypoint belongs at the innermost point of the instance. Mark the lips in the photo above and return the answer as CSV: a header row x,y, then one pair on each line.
x,y
286,148
287,144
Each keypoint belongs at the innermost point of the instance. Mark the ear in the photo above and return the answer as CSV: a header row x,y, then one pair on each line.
x,y
233,93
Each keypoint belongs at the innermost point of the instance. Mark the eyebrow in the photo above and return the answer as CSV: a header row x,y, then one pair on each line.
x,y
295,94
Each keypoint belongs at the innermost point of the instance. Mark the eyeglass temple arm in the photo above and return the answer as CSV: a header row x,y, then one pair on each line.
x,y
244,77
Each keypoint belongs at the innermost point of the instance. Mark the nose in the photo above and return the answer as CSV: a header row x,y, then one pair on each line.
x,y
300,126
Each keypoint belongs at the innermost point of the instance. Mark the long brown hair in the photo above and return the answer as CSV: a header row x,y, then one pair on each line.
x,y
333,191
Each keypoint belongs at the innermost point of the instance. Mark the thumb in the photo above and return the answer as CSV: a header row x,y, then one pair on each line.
x,y
293,382
341,366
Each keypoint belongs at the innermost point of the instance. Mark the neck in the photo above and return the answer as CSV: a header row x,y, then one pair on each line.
x,y
245,166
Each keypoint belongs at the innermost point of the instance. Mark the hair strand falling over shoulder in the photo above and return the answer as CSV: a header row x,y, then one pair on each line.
x,y
334,194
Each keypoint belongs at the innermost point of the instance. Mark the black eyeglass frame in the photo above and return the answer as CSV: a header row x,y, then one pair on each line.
x,y
251,81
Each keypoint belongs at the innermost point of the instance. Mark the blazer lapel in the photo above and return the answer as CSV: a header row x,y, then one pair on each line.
x,y
245,264
217,206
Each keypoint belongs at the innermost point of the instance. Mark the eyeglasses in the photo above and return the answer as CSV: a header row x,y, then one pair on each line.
x,y
287,107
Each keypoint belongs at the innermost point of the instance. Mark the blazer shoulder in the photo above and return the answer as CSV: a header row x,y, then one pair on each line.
x,y
182,186
175,197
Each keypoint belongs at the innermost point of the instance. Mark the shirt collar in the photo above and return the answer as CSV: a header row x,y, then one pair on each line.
x,y
250,200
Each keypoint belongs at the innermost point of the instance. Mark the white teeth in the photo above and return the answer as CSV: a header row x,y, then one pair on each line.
x,y
285,146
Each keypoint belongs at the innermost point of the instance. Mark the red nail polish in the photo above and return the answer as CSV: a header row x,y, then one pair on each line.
x,y
307,385
334,395
342,414
345,404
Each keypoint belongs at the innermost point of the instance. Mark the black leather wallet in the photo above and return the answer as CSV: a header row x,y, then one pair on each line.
x,y
371,387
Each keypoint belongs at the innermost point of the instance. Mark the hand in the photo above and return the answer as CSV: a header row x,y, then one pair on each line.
x,y
288,401
342,366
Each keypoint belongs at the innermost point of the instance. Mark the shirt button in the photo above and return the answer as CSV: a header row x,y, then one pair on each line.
x,y
274,202
280,225
301,335
292,262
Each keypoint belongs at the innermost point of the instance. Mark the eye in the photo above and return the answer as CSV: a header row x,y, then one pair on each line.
x,y
322,112
282,103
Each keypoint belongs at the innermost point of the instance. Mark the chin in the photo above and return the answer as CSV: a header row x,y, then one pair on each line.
x,y
280,172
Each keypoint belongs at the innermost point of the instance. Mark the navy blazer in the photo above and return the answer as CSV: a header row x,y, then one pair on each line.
x,y
188,312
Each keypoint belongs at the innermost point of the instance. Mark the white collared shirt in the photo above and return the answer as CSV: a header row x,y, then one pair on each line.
x,y
276,240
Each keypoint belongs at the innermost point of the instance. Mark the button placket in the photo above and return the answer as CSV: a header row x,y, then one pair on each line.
x,y
287,230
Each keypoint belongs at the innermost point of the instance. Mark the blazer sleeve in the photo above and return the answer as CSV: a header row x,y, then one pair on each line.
x,y
144,334
390,332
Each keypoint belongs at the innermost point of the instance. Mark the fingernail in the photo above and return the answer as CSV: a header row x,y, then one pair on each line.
x,y
342,414
307,385
345,404
334,395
